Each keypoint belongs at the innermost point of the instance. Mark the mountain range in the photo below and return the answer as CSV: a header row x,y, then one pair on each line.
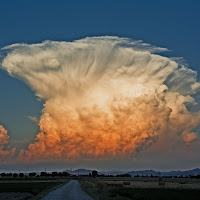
x,y
193,172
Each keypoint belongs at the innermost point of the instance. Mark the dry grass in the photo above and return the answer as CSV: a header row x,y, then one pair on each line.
x,y
154,183
105,189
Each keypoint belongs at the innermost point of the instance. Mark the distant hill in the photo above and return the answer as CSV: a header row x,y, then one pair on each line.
x,y
79,171
194,172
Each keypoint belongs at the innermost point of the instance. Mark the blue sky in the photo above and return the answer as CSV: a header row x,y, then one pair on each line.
x,y
173,24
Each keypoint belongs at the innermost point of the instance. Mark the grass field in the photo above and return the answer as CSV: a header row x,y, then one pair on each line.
x,y
33,188
154,194
37,187
110,188
141,189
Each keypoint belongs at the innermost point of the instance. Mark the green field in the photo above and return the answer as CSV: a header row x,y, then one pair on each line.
x,y
32,187
38,187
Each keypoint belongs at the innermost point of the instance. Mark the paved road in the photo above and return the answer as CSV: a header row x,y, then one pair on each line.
x,y
69,191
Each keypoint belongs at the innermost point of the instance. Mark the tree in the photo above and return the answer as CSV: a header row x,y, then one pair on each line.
x,y
9,174
43,174
32,174
65,174
15,175
3,174
54,173
94,173
21,175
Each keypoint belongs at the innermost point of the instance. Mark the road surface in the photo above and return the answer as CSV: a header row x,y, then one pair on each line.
x,y
69,191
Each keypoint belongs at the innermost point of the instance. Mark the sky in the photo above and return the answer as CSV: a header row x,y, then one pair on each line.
x,y
173,25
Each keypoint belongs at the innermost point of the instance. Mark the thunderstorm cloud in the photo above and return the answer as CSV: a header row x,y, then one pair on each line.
x,y
104,97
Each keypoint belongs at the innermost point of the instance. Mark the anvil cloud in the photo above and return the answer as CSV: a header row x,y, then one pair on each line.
x,y
104,97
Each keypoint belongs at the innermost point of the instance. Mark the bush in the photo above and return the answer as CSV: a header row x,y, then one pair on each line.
x,y
15,175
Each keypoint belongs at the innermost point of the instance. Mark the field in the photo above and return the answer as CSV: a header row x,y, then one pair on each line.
x,y
104,188
27,188
142,188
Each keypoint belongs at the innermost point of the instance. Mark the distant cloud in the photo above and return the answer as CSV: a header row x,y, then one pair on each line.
x,y
104,96
5,154
34,119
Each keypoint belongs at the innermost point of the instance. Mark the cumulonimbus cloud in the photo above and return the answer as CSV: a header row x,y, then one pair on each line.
x,y
104,96
5,154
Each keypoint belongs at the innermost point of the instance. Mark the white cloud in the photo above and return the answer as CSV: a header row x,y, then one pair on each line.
x,y
33,118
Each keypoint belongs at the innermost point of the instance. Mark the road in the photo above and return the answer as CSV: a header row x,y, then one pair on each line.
x,y
69,191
